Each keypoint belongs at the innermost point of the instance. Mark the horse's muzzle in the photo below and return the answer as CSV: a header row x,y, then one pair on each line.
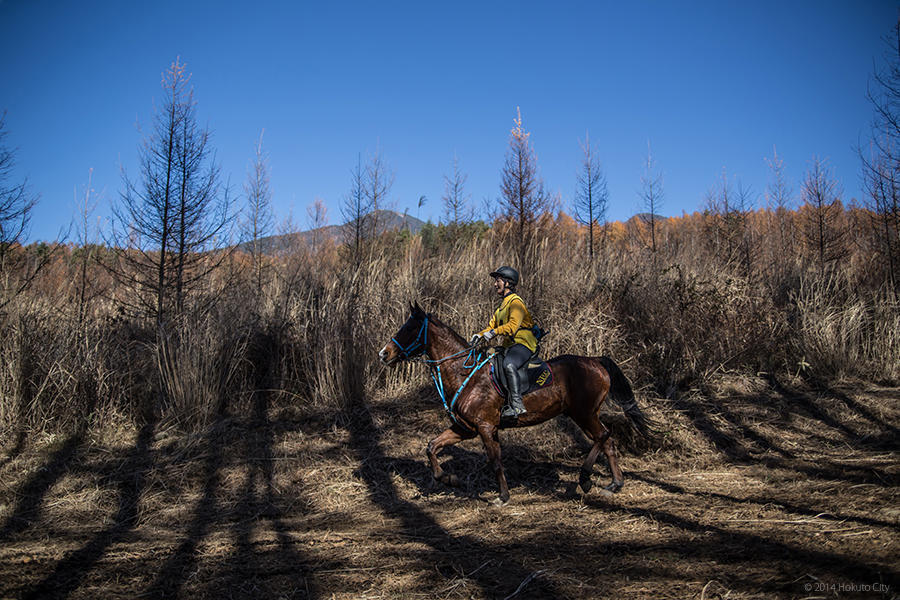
x,y
384,355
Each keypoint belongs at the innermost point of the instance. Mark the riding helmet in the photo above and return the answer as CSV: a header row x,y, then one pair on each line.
x,y
507,273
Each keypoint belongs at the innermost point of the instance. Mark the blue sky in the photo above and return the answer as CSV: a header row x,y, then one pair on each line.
x,y
710,85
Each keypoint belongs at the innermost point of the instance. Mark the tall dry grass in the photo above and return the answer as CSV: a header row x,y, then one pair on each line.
x,y
309,339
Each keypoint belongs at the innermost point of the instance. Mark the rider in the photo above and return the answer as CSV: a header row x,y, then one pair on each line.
x,y
512,320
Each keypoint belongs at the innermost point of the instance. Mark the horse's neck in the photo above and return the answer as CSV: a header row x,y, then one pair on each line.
x,y
442,343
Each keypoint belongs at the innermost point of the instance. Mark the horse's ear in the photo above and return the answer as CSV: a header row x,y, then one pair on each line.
x,y
417,310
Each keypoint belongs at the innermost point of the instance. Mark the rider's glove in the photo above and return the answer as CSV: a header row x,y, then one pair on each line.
x,y
489,335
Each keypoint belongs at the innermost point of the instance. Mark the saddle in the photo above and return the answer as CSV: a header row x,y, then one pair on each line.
x,y
534,375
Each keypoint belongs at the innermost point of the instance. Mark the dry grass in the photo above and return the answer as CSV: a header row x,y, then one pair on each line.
x,y
257,447
752,493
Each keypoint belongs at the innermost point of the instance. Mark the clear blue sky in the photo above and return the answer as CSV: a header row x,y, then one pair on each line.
x,y
711,85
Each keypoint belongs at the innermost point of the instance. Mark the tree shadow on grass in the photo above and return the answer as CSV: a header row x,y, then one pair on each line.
x,y
256,574
130,479
734,549
808,511
465,553
183,561
16,449
732,442
33,491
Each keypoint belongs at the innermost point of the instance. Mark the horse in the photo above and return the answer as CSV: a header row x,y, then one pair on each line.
x,y
580,386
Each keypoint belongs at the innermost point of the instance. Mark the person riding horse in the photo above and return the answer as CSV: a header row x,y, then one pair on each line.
x,y
512,320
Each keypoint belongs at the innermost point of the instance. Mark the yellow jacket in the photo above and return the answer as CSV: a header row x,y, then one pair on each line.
x,y
514,321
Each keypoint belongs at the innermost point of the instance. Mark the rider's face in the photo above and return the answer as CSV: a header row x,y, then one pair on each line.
x,y
500,285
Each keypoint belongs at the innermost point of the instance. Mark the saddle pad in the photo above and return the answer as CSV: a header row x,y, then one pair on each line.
x,y
534,375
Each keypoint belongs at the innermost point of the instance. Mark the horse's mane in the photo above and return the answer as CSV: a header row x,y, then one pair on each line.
x,y
417,311
437,321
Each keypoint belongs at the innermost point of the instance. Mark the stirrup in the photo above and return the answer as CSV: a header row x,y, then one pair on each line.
x,y
511,411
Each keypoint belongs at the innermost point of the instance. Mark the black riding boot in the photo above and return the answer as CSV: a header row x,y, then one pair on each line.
x,y
515,407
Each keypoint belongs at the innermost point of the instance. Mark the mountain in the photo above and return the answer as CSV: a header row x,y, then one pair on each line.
x,y
387,220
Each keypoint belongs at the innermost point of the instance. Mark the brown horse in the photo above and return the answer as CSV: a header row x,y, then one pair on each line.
x,y
580,386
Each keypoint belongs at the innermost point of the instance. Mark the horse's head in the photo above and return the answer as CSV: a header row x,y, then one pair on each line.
x,y
410,340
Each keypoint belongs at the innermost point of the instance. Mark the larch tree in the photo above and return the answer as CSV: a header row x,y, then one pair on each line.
x,y
357,212
316,219
591,193
16,206
457,211
651,195
823,231
780,203
260,220
168,221
523,198
881,159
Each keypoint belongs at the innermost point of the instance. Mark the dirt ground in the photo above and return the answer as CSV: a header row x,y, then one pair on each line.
x,y
757,490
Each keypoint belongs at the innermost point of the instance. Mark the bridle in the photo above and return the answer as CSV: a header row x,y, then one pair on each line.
x,y
417,346
473,361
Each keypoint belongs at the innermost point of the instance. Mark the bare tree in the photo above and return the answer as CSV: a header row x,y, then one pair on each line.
x,y
260,219
356,211
166,224
651,194
368,194
16,205
317,218
881,160
455,198
86,245
523,198
591,193
823,232
728,211
379,179
779,200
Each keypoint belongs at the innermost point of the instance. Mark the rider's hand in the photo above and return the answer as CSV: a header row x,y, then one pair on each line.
x,y
489,335
475,339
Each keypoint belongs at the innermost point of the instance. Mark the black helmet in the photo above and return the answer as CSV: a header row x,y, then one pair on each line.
x,y
507,273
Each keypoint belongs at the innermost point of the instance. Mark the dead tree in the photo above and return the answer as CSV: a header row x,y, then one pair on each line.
x,y
591,194
651,195
357,212
523,198
881,159
457,211
168,222
16,205
260,219
317,218
823,230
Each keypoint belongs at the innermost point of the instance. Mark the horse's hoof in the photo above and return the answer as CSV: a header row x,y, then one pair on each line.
x,y
500,501
585,482
452,480
614,487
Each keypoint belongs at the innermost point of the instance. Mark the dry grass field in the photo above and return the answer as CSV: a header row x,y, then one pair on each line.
x,y
761,489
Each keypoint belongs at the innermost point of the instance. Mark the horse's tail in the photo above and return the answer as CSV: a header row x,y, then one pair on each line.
x,y
620,391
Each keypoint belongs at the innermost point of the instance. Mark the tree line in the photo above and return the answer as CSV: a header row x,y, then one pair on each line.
x,y
175,215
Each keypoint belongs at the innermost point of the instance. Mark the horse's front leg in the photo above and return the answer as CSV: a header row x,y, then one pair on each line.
x,y
491,439
448,437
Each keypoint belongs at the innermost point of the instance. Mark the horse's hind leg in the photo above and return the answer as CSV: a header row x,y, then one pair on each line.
x,y
448,437
602,441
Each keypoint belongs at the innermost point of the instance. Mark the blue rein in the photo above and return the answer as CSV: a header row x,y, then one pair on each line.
x,y
419,343
439,384
473,361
